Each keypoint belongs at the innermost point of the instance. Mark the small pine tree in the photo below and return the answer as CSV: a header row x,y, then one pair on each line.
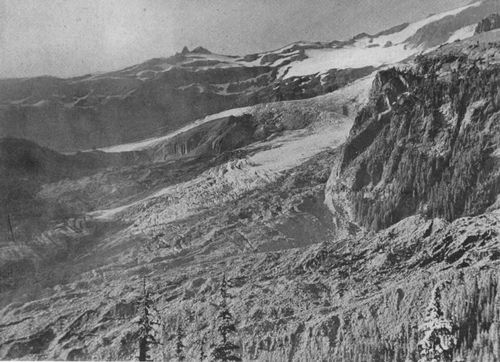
x,y
225,349
146,323
179,344
438,341
203,352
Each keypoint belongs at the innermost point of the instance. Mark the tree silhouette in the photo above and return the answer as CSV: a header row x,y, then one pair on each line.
x,y
225,349
438,341
179,344
203,352
146,324
11,230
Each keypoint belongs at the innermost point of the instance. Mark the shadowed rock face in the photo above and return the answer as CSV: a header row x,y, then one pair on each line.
x,y
492,22
25,167
426,143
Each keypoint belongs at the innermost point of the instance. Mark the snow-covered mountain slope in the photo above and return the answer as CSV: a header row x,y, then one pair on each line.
x,y
379,50
165,94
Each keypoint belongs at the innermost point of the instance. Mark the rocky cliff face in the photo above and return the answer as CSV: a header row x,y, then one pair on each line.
x,y
426,143
489,23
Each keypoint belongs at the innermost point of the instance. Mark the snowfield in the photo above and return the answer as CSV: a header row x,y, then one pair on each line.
x,y
322,60
382,50
411,29
464,33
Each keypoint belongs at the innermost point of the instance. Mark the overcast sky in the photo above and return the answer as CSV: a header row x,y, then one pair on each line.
x,y
74,37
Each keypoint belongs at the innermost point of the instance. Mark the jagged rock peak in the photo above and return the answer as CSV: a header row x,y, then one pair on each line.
x,y
197,50
201,50
489,23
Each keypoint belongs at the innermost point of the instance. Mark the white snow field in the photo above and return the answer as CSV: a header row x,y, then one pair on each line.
x,y
463,33
369,51
322,60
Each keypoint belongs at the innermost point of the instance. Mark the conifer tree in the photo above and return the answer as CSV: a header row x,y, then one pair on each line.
x,y
438,340
146,324
225,349
203,352
179,341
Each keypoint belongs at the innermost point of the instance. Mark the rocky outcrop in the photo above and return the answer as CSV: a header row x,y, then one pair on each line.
x,y
426,143
487,24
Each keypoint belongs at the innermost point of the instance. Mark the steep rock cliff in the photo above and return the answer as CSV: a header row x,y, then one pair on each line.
x,y
489,23
426,143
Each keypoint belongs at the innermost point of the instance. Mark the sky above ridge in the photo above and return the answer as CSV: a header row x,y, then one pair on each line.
x,y
74,37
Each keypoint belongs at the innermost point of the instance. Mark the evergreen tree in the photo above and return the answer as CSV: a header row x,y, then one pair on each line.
x,y
146,324
203,352
179,344
225,349
438,340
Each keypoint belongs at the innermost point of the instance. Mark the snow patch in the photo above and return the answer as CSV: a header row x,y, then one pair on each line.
x,y
463,33
364,52
322,60
411,29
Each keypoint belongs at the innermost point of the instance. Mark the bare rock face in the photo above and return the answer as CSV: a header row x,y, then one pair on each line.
x,y
426,143
492,22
